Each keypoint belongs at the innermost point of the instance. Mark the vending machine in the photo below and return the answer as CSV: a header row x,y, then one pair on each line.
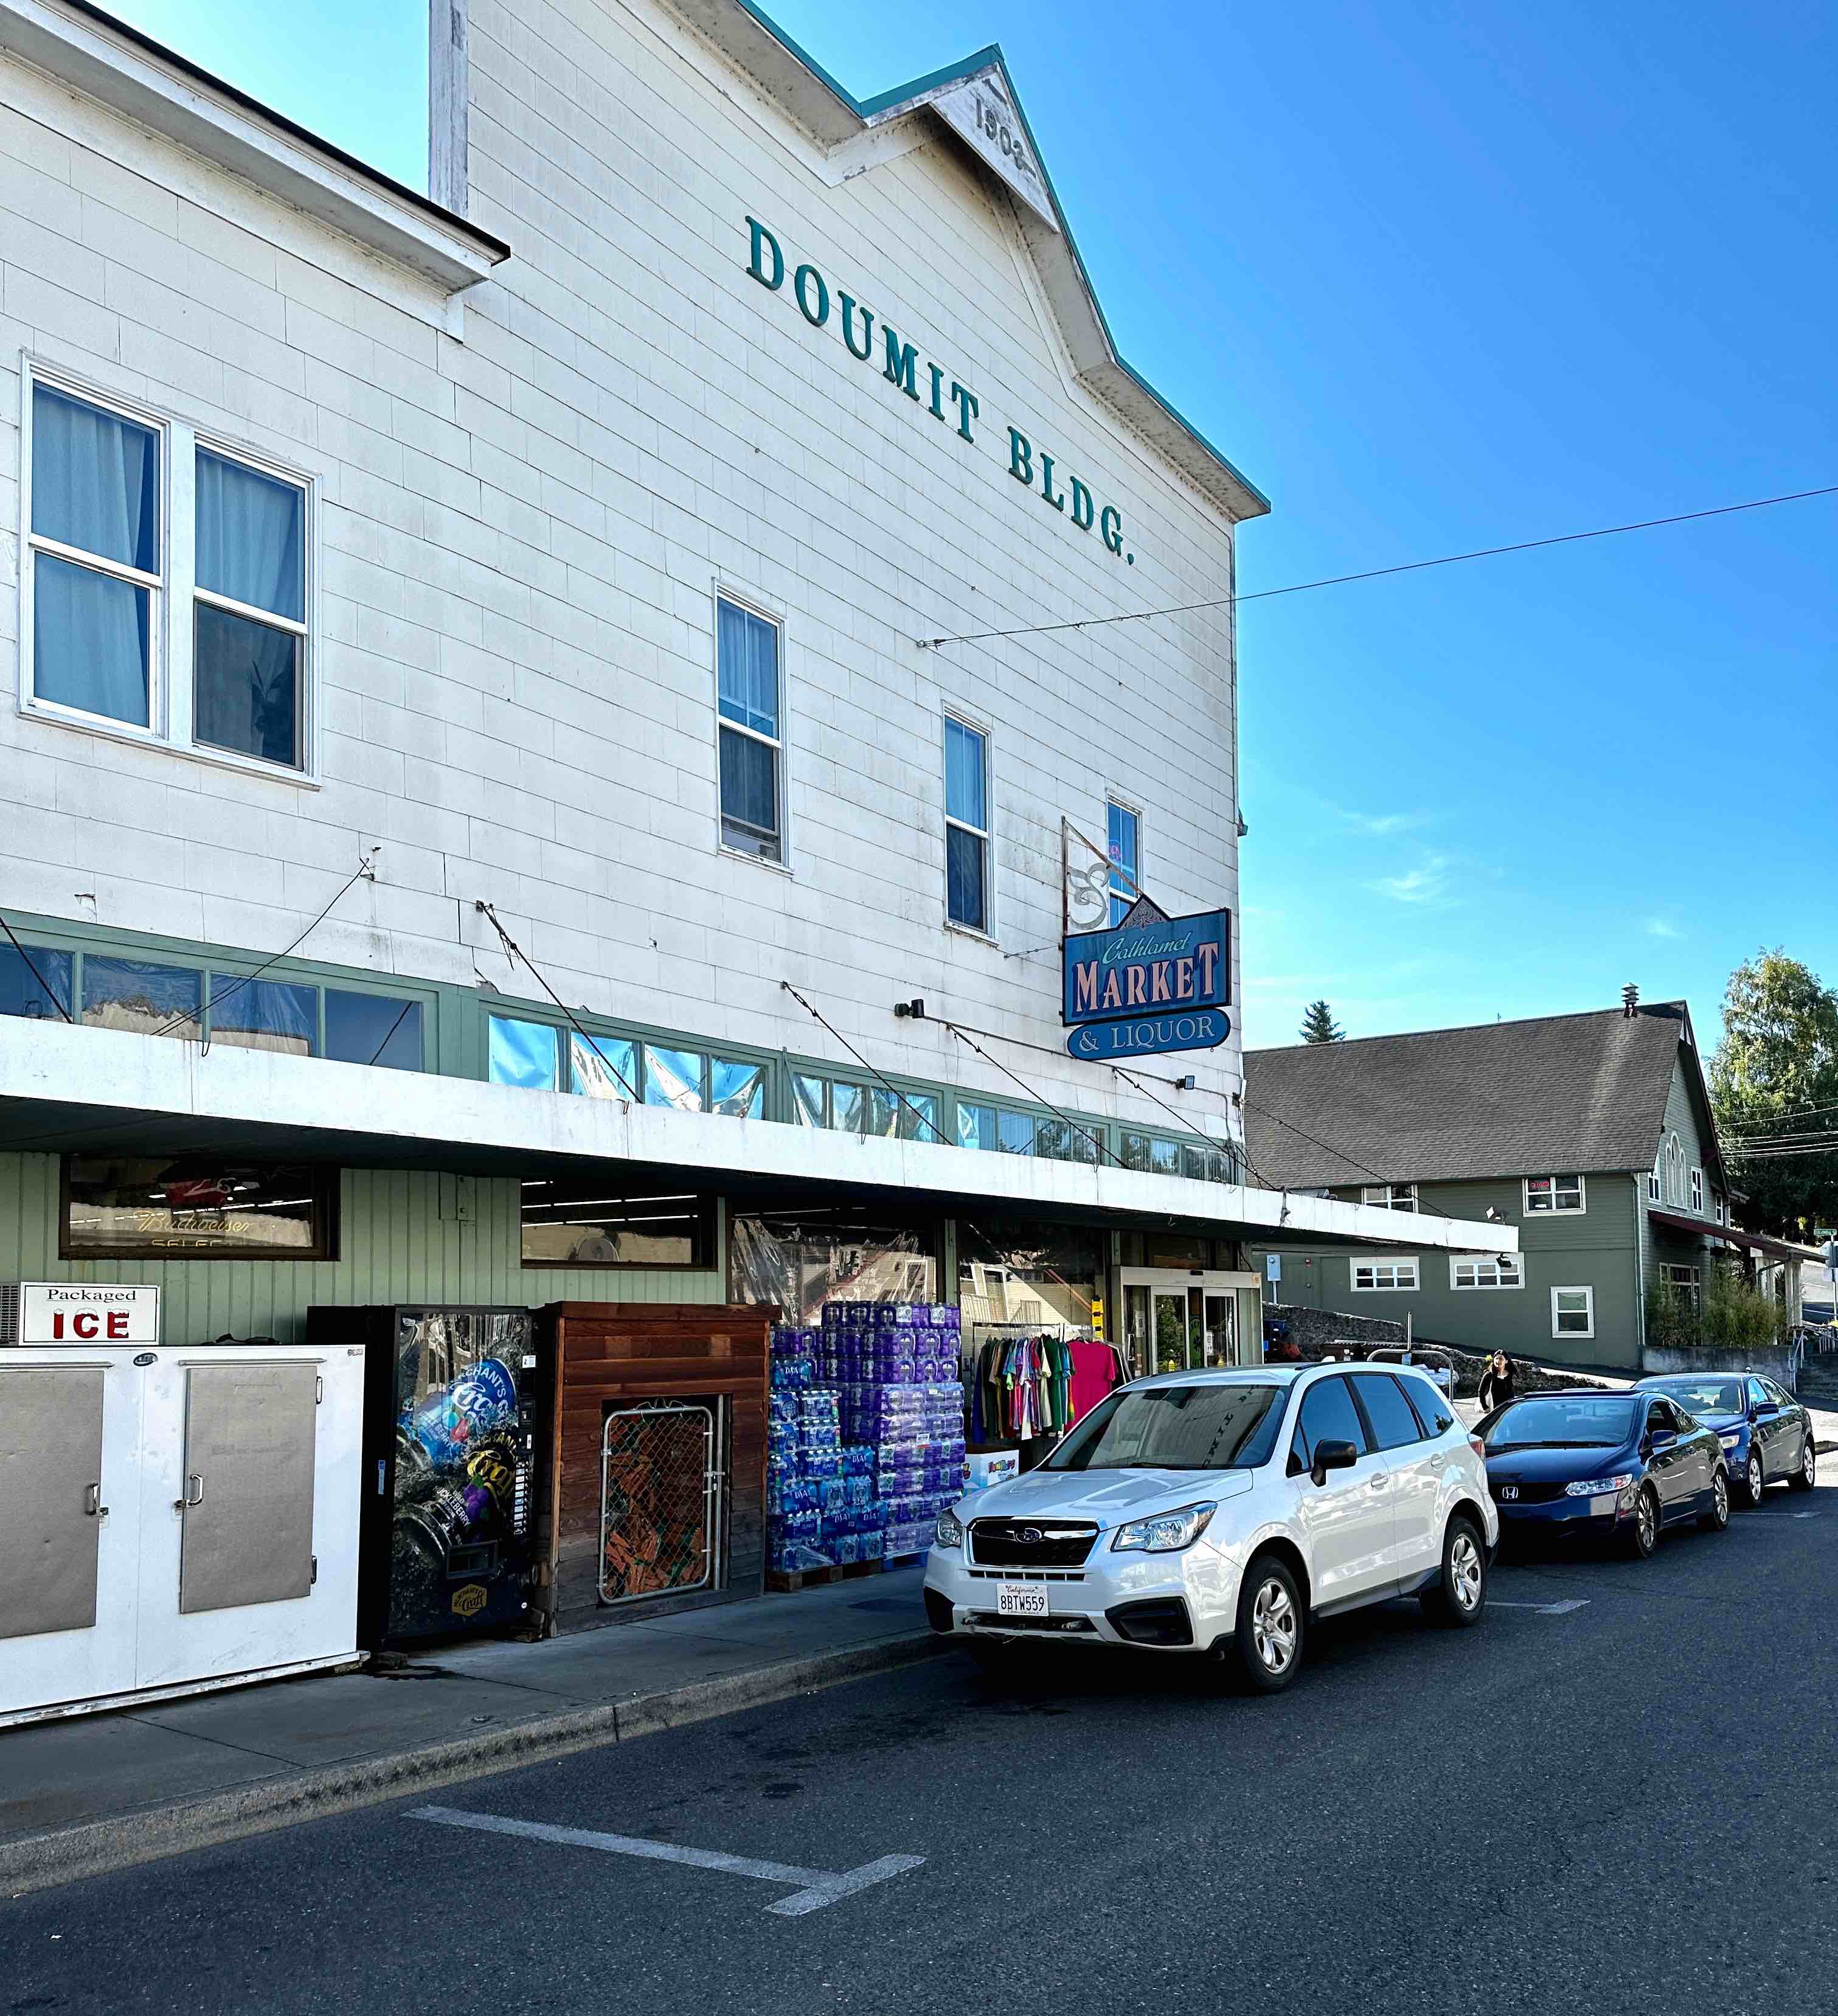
x,y
175,1518
455,1422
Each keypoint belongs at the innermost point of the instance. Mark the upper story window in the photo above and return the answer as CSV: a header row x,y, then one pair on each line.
x,y
966,825
1391,1196
1697,1192
1656,1178
752,749
1126,861
1674,1171
203,645
1553,1193
866,1110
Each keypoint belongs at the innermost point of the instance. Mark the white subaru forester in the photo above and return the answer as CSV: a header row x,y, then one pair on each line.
x,y
1213,1511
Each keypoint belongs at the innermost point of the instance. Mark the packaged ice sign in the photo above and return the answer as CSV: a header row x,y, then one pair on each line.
x,y
1163,969
82,1312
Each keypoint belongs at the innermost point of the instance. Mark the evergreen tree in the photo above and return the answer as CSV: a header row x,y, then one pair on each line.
x,y
1318,1025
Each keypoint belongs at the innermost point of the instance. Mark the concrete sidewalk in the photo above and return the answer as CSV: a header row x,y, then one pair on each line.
x,y
101,1792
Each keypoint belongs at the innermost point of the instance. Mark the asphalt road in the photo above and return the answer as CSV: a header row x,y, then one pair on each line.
x,y
1623,1807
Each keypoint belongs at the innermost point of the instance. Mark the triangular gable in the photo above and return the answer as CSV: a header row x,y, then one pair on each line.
x,y
976,101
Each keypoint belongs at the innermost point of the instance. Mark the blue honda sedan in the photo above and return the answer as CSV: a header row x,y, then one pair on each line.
x,y
1618,1467
1766,1434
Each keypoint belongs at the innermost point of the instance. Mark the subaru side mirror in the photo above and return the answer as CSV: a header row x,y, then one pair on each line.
x,y
1333,1455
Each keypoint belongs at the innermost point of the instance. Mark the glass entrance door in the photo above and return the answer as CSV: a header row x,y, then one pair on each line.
x,y
1177,1322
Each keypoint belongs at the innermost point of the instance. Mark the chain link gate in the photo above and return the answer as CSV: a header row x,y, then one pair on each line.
x,y
661,1499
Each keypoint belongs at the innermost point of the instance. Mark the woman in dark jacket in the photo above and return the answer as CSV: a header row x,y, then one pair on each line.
x,y
1497,1386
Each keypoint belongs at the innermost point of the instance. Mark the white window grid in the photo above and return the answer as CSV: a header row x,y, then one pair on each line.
x,y
1391,1196
1399,1274
1697,1192
1556,1197
173,592
1503,1270
1675,1170
1567,1305
775,743
985,833
1125,884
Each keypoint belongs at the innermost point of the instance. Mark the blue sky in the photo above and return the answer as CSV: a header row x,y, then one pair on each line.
x,y
1435,277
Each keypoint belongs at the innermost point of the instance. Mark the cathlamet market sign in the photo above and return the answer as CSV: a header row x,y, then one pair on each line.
x,y
1144,988
930,386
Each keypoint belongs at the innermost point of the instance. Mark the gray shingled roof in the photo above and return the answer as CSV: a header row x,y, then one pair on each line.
x,y
1503,1098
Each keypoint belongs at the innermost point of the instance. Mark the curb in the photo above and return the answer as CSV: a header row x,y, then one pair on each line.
x,y
39,1861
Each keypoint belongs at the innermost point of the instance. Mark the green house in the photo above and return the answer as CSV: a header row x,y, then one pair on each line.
x,y
1591,1133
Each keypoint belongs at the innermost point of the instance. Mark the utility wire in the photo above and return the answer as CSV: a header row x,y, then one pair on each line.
x,y
394,1027
1428,1210
236,987
31,968
491,916
1097,1140
1379,573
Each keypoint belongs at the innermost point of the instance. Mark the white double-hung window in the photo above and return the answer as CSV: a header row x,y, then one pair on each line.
x,y
966,825
752,743
166,589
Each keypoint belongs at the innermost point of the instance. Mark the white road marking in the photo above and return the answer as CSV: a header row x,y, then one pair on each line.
x,y
813,1888
1543,1609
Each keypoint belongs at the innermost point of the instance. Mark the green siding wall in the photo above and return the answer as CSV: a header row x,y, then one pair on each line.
x,y
400,1240
1594,1249
1661,1243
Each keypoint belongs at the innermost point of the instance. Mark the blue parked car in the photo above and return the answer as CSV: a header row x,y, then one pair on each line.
x,y
1766,1435
1618,1467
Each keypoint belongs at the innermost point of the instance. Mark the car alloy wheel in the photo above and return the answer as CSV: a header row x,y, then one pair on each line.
x,y
1807,1475
1717,1517
1465,1572
1273,1626
1646,1522
1754,1480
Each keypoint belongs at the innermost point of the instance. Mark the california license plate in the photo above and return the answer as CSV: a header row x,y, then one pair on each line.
x,y
1017,1599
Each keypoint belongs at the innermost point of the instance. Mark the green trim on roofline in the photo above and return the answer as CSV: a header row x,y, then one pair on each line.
x,y
990,57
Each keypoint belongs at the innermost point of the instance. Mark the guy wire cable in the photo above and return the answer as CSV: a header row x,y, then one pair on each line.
x,y
1238,1154
36,975
937,1132
185,1015
491,916
1097,1140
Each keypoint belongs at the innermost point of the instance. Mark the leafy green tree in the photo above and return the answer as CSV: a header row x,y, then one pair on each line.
x,y
1774,1088
1318,1025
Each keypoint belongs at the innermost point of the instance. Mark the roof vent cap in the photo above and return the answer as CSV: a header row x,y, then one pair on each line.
x,y
1630,998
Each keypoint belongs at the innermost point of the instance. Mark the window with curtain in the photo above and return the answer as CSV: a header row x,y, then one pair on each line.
x,y
1125,865
35,983
226,669
250,610
966,825
95,558
746,657
263,1015
144,996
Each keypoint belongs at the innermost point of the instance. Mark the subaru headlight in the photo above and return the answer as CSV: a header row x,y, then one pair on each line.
x,y
1730,1442
948,1533
1624,1482
1166,1532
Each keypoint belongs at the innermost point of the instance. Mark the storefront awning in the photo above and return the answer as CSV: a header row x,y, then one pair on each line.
x,y
71,1089
1730,1235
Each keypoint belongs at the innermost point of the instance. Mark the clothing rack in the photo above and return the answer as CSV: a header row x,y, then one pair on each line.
x,y
1019,1379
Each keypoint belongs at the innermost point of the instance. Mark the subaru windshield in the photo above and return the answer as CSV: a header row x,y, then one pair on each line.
x,y
1212,1426
1571,1422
